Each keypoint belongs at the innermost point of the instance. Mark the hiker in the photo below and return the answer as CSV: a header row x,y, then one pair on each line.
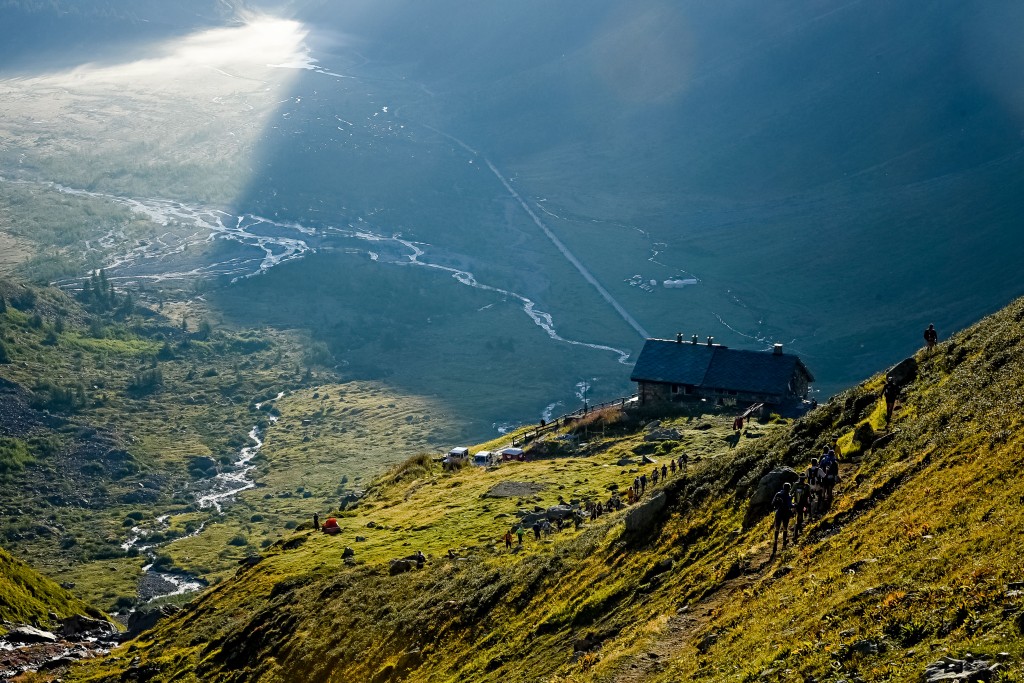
x,y
636,486
577,520
630,496
664,472
508,540
830,466
890,392
801,494
783,506
682,461
654,476
672,466
643,483
546,527
931,337
420,559
814,483
519,534
536,531
737,423
316,521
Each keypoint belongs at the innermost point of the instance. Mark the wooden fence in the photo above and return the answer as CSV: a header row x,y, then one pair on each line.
x,y
561,420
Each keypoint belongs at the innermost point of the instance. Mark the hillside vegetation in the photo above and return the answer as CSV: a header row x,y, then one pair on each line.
x,y
916,560
116,417
27,597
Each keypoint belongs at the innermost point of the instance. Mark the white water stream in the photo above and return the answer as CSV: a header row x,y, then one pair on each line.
x,y
223,486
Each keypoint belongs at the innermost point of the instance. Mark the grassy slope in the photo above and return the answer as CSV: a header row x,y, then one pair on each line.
x,y
914,559
27,597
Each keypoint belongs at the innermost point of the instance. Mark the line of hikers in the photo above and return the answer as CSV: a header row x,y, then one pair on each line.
x,y
593,510
540,529
811,497
639,486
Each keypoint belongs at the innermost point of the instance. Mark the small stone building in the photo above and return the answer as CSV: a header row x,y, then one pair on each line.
x,y
668,371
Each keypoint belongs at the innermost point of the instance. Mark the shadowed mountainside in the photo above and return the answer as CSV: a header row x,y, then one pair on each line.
x,y
917,559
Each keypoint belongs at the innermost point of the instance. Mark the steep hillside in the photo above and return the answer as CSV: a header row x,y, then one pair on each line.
x,y
917,559
27,597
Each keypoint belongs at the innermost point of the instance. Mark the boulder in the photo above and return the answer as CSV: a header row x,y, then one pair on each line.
x,y
967,669
904,372
663,435
145,619
401,566
79,626
767,487
770,484
29,635
644,515
559,512
348,552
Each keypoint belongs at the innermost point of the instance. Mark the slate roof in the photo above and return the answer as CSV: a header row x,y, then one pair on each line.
x,y
716,367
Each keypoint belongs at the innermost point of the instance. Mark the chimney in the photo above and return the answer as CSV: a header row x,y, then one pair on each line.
x,y
777,349
679,337
711,341
695,338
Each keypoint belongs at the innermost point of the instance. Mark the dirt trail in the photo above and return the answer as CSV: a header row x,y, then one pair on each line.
x,y
685,625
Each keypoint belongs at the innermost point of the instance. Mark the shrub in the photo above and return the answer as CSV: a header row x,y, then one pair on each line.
x,y
14,456
146,382
238,540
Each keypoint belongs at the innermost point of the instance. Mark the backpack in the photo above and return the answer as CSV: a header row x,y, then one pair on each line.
x,y
813,476
782,503
833,468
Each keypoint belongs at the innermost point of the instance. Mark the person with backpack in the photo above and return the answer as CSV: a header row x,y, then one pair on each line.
x,y
890,392
931,337
815,477
801,495
830,466
782,503
664,472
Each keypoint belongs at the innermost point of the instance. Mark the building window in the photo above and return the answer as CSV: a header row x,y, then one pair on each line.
x,y
675,388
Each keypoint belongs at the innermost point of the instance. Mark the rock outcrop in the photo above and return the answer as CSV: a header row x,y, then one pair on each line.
x,y
643,515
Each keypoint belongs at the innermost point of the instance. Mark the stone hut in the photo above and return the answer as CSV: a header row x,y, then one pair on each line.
x,y
667,371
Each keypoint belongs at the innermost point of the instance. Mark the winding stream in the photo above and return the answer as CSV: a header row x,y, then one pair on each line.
x,y
278,241
223,486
